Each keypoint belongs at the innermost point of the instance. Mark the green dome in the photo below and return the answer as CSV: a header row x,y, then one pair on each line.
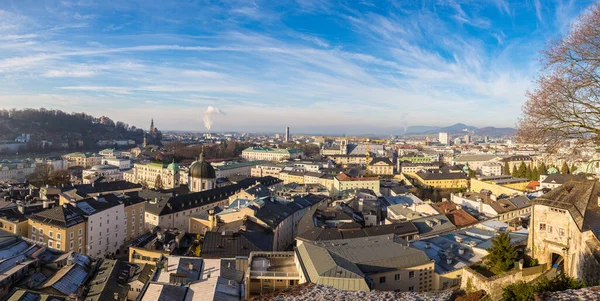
x,y
173,166
466,168
552,171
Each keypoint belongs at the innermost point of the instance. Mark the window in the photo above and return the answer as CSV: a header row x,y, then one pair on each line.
x,y
542,227
397,277
41,238
50,233
411,274
58,236
411,288
41,231
80,241
32,229
71,245
381,279
549,228
58,245
72,235
50,244
79,232
561,232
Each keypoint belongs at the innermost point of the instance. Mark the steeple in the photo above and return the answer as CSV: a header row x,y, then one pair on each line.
x,y
201,155
152,126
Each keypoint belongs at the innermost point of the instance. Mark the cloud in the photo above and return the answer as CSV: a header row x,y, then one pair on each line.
x,y
445,60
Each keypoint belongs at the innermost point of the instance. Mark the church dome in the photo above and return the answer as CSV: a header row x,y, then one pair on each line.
x,y
552,171
201,169
173,166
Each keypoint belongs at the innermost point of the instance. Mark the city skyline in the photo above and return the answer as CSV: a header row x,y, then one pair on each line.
x,y
316,66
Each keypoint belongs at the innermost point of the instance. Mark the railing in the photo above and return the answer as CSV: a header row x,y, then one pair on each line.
x,y
273,274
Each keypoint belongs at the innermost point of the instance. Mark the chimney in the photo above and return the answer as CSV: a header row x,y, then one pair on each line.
x,y
191,266
116,296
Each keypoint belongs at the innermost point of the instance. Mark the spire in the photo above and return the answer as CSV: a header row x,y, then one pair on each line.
x,y
201,155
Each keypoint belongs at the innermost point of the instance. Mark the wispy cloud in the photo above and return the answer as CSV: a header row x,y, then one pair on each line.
x,y
273,64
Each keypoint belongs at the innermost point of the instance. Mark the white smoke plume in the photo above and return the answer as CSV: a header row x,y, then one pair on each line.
x,y
209,116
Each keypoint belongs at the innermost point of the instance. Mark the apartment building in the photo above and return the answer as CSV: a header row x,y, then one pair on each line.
x,y
344,182
62,228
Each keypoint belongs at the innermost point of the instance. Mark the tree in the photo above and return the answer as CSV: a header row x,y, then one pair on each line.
x,y
59,178
158,184
543,169
40,175
472,174
528,173
535,174
566,101
521,172
573,168
565,169
522,291
502,254
519,291
515,172
506,168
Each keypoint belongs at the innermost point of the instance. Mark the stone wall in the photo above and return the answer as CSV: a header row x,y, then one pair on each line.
x,y
472,280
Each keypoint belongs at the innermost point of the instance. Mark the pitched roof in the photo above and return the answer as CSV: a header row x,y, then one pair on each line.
x,y
458,217
381,159
354,258
108,281
561,179
64,216
230,245
580,199
167,204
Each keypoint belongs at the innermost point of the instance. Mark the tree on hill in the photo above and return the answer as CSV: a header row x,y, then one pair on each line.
x,y
502,254
565,169
565,103
506,170
515,172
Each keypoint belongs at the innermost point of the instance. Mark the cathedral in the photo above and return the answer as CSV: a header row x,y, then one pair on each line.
x,y
202,175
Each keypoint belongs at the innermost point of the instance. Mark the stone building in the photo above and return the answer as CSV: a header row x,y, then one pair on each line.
x,y
150,173
564,229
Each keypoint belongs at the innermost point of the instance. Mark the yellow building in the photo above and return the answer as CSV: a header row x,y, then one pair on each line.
x,y
498,187
62,228
380,166
145,256
444,180
11,220
134,216
344,182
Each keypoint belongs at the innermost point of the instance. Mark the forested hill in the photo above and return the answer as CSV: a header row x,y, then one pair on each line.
x,y
77,130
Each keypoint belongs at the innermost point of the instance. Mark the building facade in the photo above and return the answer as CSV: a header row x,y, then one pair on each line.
x,y
62,228
271,154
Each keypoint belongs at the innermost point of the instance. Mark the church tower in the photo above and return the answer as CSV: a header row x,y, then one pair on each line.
x,y
152,128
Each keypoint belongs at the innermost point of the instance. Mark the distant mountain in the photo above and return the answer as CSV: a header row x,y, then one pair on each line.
x,y
421,129
461,128
495,132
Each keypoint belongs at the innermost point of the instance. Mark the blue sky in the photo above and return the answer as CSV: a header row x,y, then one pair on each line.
x,y
314,65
